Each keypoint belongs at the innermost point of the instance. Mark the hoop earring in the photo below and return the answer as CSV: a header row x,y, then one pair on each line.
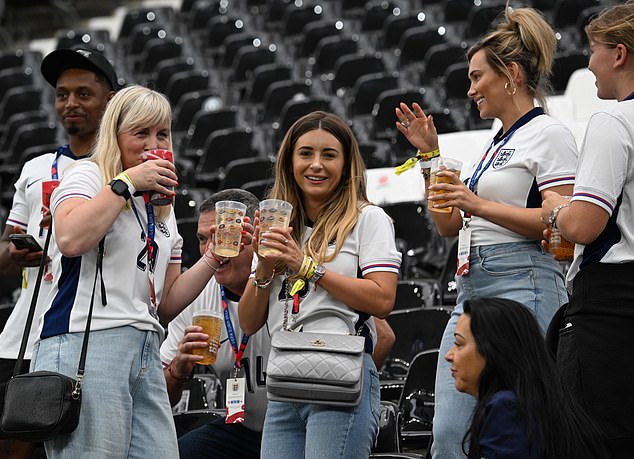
x,y
512,91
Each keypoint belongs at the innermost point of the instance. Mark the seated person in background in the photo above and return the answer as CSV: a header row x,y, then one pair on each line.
x,y
218,439
522,411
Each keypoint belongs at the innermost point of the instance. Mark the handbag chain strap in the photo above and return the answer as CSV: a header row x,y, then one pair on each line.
x,y
323,311
36,290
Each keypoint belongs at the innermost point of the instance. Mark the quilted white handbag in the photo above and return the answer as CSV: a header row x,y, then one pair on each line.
x,y
310,367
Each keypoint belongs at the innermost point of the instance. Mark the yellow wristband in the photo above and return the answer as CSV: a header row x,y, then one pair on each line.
x,y
420,156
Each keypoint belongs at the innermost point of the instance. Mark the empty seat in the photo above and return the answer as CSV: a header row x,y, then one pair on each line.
x,y
416,41
314,32
187,81
31,135
263,76
483,18
348,69
241,171
457,81
15,78
444,120
383,113
15,122
168,67
564,65
566,12
141,34
279,93
220,27
367,89
296,18
190,103
98,39
158,50
202,11
135,16
416,294
457,10
203,125
330,49
295,109
259,188
21,99
439,57
395,26
223,147
376,13
248,58
233,43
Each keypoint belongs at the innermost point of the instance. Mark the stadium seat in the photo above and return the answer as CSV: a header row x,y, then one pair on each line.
x,y
241,171
395,26
156,51
376,13
383,113
416,41
165,69
483,18
349,68
263,76
15,78
184,82
248,58
296,18
19,99
222,147
205,123
367,90
564,65
439,57
190,103
314,32
329,49
278,94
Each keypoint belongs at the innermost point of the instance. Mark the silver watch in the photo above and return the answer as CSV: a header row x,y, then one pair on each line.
x,y
318,273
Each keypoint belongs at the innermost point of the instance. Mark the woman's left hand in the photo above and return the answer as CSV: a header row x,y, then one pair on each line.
x,y
551,200
290,253
458,195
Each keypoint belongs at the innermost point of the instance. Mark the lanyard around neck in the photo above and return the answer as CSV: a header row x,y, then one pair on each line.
x,y
237,352
151,255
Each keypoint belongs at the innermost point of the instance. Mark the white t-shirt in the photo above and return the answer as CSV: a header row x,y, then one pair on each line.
x,y
124,266
370,247
254,358
26,213
541,154
605,177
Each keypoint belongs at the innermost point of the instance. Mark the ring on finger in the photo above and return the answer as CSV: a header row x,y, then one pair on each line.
x,y
405,123
284,241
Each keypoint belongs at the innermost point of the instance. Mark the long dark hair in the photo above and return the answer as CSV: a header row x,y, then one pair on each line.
x,y
507,335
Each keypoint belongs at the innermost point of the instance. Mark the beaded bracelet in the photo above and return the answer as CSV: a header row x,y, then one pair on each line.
x,y
206,260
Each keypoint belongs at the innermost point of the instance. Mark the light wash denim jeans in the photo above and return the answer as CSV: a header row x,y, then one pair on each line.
x,y
125,411
311,431
520,271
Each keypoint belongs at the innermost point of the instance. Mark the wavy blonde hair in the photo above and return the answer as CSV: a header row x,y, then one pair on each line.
x,y
614,25
341,211
525,38
129,109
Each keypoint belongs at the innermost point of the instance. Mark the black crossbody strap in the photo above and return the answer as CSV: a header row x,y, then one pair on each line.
x,y
36,292
84,346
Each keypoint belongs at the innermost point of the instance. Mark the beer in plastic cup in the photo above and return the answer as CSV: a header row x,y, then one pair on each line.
x,y
159,199
229,218
273,213
560,247
211,322
440,164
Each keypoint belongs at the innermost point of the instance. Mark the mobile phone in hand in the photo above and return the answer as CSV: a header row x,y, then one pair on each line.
x,y
25,241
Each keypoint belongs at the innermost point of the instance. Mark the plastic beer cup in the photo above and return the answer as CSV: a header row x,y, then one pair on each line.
x,y
441,164
273,213
229,218
211,322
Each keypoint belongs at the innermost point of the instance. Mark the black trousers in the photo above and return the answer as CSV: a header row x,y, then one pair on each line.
x,y
596,350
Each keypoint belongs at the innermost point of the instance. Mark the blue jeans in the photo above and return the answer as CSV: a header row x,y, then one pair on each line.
x,y
218,440
125,411
520,271
311,431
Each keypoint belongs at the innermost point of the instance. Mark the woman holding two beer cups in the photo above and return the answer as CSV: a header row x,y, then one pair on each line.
x,y
600,316
338,252
496,211
125,410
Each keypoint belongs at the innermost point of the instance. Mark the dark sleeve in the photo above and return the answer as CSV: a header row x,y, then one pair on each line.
x,y
502,436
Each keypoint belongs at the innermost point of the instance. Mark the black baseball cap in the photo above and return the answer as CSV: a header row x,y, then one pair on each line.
x,y
60,60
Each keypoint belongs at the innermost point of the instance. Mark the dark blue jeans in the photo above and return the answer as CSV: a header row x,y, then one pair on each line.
x,y
217,440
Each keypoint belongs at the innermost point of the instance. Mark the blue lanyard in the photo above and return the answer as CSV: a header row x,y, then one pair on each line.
x,y
630,97
64,150
151,254
518,124
230,331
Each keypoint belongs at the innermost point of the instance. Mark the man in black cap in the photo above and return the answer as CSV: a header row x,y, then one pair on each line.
x,y
84,82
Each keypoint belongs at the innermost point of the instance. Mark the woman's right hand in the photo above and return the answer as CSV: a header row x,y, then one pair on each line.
x,y
418,128
157,175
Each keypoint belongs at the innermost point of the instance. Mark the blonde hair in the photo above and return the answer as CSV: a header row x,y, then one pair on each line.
x,y
340,213
614,25
131,108
525,38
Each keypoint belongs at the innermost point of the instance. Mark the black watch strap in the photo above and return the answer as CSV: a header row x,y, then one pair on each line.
x,y
120,188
